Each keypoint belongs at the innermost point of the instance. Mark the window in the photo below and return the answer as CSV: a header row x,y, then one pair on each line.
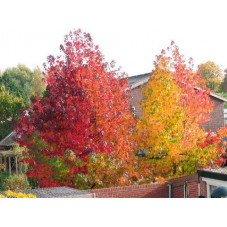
x,y
212,184
212,188
133,111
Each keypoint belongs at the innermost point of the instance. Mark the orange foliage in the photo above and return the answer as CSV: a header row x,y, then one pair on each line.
x,y
176,101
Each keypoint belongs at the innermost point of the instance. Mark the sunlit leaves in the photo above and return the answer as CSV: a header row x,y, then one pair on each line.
x,y
176,101
84,112
212,74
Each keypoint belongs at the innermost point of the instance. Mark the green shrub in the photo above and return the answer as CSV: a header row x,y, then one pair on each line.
x,y
3,176
15,182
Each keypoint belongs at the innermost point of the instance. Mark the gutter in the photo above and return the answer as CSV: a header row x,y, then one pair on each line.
x,y
212,175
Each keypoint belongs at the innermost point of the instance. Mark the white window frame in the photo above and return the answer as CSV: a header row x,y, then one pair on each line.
x,y
213,182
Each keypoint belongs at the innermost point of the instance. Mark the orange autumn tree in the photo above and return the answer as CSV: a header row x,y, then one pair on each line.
x,y
160,126
79,132
175,102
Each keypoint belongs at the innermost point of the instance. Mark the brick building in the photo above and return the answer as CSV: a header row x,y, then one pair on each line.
x,y
140,81
200,184
212,178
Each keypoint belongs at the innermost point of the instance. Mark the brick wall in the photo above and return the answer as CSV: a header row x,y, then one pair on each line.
x,y
217,116
178,186
137,97
194,184
203,188
156,190
136,191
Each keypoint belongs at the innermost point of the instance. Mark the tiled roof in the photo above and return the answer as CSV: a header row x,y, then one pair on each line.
x,y
59,192
219,173
221,170
138,80
9,140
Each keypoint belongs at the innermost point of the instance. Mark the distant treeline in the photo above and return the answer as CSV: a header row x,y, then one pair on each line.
x,y
17,85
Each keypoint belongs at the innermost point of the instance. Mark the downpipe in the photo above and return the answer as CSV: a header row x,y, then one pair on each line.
x,y
170,188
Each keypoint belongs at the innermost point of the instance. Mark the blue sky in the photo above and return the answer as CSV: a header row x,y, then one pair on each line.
x,y
129,32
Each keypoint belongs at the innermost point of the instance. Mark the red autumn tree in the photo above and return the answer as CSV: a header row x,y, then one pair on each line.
x,y
82,123
217,140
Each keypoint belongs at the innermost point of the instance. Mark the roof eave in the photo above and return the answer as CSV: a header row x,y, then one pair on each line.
x,y
212,175
139,83
218,97
2,142
142,82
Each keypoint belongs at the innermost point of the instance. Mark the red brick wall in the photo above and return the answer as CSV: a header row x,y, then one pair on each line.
x,y
178,186
203,188
136,191
193,183
193,189
156,190
178,192
217,116
137,97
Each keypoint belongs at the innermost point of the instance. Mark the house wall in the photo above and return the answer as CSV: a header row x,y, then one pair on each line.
x,y
195,185
136,191
203,187
217,116
137,97
178,185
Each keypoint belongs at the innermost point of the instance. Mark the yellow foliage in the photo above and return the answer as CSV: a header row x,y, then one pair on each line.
x,y
11,194
160,129
170,136
212,74
222,132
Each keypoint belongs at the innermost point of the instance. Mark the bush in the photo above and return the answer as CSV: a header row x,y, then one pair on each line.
x,y
10,194
15,182
3,176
